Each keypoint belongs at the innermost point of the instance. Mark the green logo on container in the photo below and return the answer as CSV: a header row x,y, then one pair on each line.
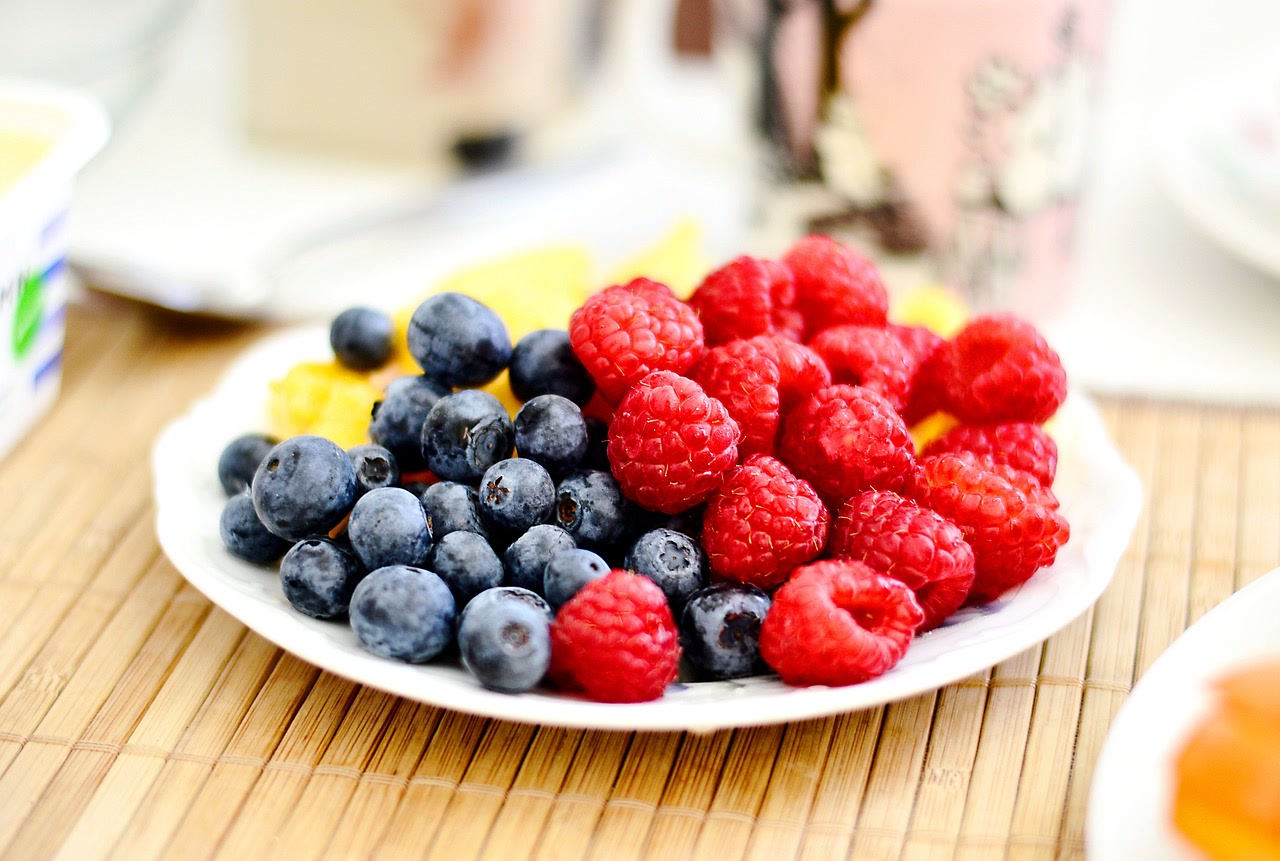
x,y
28,314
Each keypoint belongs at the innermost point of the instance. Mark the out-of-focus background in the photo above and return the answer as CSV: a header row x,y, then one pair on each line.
x,y
1109,168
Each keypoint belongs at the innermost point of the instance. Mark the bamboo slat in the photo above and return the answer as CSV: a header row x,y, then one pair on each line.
x,y
591,779
843,785
744,779
687,797
531,799
789,797
139,722
629,810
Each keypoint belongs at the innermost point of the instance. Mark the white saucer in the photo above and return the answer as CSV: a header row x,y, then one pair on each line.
x,y
1129,815
1218,158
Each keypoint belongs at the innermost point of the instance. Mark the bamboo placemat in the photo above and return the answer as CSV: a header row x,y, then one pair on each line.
x,y
137,721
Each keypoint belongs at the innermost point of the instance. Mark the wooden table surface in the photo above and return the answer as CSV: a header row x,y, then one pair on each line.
x,y
139,721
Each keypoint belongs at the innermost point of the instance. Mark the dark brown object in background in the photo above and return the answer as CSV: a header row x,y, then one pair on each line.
x,y
693,28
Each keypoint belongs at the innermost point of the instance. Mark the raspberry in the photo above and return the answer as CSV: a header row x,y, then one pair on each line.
x,y
1019,478
847,439
623,333
999,369
670,443
835,285
801,371
908,542
928,387
598,408
837,622
616,640
745,380
1022,445
645,287
1025,481
747,297
868,356
920,344
762,523
1013,535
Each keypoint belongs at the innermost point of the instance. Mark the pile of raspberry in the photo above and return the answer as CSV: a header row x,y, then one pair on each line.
x,y
770,416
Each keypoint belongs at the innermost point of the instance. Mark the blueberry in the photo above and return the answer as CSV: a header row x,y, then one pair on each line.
x,y
551,430
397,419
505,644
671,559
404,613
452,507
458,340
466,562
388,526
590,505
526,558
597,454
507,593
318,576
720,629
240,459
375,467
244,535
466,433
568,571
361,338
516,493
543,363
304,486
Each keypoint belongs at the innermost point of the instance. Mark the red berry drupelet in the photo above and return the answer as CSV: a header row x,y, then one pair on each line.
x,y
801,371
1019,478
625,332
1023,445
762,523
921,345
847,439
1013,535
899,537
838,622
616,640
747,297
745,379
835,285
919,342
1000,369
671,443
869,356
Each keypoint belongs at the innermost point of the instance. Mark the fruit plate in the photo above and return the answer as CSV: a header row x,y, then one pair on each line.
x,y
1101,497
1129,811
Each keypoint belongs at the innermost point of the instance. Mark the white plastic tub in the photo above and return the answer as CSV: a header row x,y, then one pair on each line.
x,y
46,135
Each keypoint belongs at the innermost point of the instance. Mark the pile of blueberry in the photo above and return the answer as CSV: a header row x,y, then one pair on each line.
x,y
459,531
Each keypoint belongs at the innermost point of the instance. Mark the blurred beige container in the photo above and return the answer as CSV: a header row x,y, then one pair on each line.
x,y
408,79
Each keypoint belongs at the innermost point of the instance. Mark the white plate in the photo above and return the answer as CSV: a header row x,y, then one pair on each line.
x,y
1218,158
1100,494
1129,815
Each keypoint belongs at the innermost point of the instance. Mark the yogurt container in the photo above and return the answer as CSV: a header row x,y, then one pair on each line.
x,y
47,134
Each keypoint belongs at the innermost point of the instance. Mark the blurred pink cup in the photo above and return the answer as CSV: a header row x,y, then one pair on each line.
x,y
948,139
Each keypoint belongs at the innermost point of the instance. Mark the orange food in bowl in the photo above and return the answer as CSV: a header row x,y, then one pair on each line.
x,y
1227,773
